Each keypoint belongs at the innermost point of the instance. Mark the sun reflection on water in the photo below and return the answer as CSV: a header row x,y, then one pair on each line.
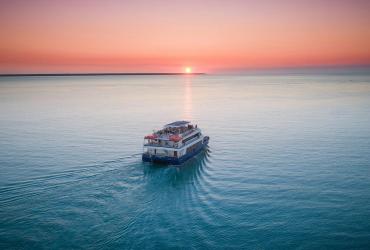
x,y
188,103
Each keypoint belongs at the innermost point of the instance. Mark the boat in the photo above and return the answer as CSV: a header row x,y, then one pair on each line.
x,y
174,144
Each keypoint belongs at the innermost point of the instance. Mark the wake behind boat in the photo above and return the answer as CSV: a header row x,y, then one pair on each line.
x,y
174,144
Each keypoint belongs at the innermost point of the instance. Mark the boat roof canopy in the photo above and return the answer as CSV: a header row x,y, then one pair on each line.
x,y
176,124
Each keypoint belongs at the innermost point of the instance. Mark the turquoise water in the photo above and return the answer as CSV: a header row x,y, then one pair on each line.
x,y
288,164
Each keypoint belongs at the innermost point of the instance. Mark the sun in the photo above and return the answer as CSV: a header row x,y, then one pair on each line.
x,y
188,70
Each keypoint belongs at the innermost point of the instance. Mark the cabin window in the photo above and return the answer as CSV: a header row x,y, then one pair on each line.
x,y
191,137
175,153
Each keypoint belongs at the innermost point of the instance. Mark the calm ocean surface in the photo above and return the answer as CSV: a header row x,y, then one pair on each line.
x,y
288,164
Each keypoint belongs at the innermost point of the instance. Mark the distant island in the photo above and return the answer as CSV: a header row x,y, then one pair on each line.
x,y
100,74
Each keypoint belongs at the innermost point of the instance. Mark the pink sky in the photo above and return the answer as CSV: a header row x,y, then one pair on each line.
x,y
165,36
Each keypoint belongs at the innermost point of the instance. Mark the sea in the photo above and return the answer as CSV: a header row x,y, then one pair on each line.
x,y
287,167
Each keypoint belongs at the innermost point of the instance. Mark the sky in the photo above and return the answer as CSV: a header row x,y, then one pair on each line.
x,y
167,36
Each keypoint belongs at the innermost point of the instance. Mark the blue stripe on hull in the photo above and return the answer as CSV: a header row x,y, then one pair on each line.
x,y
173,160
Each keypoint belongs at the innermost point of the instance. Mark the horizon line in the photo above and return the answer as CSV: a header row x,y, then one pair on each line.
x,y
100,74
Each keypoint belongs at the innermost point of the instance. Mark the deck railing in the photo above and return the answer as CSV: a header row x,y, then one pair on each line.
x,y
175,145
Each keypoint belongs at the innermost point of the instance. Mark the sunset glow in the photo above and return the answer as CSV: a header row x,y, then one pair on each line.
x,y
187,70
161,36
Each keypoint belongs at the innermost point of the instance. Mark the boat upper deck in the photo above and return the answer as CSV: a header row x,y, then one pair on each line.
x,y
183,132
172,135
